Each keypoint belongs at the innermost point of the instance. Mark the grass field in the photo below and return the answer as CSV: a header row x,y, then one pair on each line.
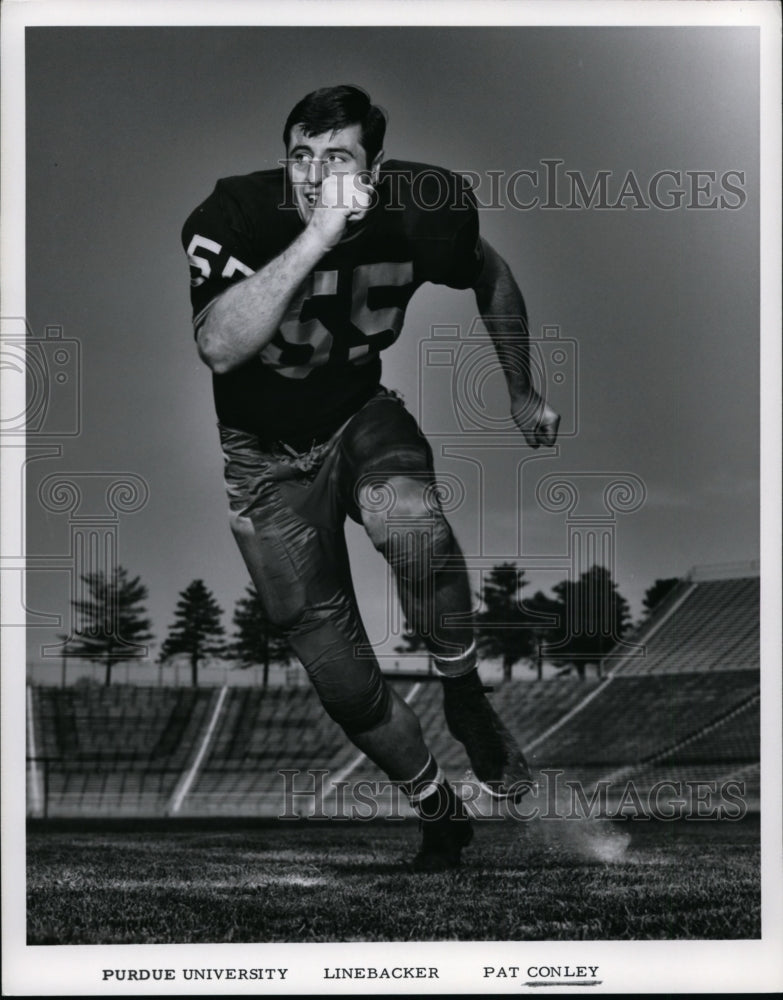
x,y
175,882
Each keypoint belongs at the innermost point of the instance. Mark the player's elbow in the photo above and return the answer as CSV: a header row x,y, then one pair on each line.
x,y
212,351
495,270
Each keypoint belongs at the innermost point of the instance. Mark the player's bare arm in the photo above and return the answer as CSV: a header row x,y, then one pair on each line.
x,y
503,311
244,318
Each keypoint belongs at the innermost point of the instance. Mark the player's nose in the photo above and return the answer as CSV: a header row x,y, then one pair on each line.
x,y
315,171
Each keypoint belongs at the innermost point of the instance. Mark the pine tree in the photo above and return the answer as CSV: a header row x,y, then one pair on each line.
x,y
655,594
197,629
594,616
544,614
505,629
256,639
111,624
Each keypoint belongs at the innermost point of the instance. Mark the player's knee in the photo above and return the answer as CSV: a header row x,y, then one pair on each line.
x,y
281,590
416,539
360,711
442,539
398,504
241,525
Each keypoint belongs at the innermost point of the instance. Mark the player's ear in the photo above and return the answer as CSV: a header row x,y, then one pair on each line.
x,y
375,167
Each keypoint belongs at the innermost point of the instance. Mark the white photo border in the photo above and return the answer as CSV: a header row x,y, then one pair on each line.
x,y
627,967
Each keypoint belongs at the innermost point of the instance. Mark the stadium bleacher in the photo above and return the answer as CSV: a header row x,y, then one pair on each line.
x,y
633,717
687,710
114,750
711,625
259,733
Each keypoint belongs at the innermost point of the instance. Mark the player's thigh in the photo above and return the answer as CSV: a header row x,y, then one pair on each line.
x,y
294,565
385,462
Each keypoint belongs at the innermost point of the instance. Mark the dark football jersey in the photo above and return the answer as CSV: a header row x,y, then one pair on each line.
x,y
323,362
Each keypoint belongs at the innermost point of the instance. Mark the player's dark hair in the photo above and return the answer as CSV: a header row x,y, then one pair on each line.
x,y
332,108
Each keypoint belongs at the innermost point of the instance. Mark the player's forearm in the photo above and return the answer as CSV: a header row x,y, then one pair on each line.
x,y
243,320
503,311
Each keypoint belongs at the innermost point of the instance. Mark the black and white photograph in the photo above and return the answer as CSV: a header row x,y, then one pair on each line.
x,y
391,498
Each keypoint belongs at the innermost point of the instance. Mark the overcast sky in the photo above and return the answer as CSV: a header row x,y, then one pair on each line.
x,y
128,129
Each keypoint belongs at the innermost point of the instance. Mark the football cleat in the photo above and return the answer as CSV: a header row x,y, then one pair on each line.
x,y
494,754
442,841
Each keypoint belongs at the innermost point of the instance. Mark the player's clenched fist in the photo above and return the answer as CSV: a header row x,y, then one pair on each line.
x,y
538,422
342,198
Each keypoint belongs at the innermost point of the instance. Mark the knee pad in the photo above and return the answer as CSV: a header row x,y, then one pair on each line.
x,y
406,525
274,565
352,689
418,549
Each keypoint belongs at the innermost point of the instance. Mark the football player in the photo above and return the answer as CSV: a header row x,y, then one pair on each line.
x,y
300,277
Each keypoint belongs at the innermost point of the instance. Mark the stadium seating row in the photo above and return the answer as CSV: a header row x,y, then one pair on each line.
x,y
688,708
125,751
715,627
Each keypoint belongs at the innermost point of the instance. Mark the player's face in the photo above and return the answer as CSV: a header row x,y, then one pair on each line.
x,y
310,158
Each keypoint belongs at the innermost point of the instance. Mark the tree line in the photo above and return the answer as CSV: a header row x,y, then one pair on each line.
x,y
577,626
112,627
